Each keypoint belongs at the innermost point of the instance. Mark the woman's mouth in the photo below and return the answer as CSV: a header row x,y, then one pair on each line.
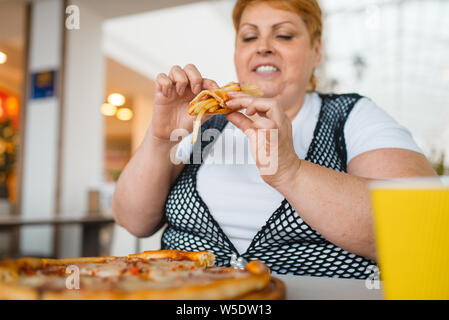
x,y
266,69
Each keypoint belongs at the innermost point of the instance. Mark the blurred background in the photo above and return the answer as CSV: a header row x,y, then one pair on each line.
x,y
77,87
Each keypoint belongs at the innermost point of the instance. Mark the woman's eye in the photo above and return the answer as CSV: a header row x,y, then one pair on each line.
x,y
248,39
284,37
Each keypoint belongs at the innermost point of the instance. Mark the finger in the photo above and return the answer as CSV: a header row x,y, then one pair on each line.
x,y
240,121
206,117
165,84
209,84
239,102
195,78
264,123
179,77
265,107
253,130
245,102
238,94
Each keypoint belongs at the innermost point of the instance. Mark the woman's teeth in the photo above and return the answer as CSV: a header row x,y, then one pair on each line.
x,y
266,69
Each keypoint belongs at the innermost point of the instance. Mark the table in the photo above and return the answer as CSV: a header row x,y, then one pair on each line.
x,y
318,288
91,228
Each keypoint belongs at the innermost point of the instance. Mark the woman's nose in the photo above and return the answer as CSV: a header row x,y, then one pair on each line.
x,y
264,47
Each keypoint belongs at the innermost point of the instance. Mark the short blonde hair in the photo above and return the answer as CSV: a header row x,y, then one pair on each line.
x,y
308,10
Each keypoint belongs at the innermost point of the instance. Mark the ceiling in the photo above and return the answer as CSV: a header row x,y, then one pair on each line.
x,y
151,42
109,9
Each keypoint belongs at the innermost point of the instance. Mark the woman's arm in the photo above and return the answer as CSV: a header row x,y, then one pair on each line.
x,y
143,186
140,194
338,205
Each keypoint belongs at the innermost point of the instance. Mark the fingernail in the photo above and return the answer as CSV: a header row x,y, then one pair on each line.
x,y
233,94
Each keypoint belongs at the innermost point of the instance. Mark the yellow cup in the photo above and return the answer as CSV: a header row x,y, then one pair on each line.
x,y
411,219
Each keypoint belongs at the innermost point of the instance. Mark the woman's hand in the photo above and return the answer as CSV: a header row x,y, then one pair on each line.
x,y
269,131
173,94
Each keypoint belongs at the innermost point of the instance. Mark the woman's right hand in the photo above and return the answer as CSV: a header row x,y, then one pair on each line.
x,y
173,94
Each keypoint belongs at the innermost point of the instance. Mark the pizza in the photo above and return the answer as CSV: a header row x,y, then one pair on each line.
x,y
159,275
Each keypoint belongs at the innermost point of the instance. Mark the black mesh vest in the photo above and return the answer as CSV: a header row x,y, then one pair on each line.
x,y
285,243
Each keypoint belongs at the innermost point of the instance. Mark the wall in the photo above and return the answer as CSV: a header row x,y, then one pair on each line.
x,y
139,91
41,134
82,136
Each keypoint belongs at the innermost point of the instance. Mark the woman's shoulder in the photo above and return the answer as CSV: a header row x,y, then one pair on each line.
x,y
358,105
334,95
370,127
343,100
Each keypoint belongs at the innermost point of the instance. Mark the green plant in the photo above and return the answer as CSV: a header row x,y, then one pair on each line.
x,y
115,174
7,154
440,167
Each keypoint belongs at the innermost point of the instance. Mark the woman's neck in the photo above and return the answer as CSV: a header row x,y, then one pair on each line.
x,y
293,110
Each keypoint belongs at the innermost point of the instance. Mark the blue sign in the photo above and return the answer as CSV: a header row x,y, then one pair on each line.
x,y
43,84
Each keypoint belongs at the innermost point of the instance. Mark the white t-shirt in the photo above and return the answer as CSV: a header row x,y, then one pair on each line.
x,y
245,202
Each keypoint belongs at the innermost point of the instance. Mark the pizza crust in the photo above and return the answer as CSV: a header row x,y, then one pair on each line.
x,y
204,258
9,291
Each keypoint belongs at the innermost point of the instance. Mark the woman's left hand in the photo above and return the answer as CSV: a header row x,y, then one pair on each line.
x,y
269,131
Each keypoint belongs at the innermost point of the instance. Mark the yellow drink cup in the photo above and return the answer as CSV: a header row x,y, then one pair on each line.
x,y
411,219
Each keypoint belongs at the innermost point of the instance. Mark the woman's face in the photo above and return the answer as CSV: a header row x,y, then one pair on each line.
x,y
274,51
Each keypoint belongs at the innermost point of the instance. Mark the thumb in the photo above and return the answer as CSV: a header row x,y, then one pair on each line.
x,y
240,121
209,84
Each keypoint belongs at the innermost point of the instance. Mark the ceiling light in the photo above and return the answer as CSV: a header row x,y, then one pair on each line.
x,y
108,109
12,106
124,114
116,99
3,57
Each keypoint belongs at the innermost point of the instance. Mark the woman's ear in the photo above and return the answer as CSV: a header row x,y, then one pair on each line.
x,y
317,52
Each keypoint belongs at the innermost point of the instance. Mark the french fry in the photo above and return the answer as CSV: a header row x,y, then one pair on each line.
x,y
214,102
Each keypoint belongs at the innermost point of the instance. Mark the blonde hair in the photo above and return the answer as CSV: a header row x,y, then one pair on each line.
x,y
308,10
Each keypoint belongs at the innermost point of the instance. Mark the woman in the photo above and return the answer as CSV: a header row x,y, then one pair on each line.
x,y
312,215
